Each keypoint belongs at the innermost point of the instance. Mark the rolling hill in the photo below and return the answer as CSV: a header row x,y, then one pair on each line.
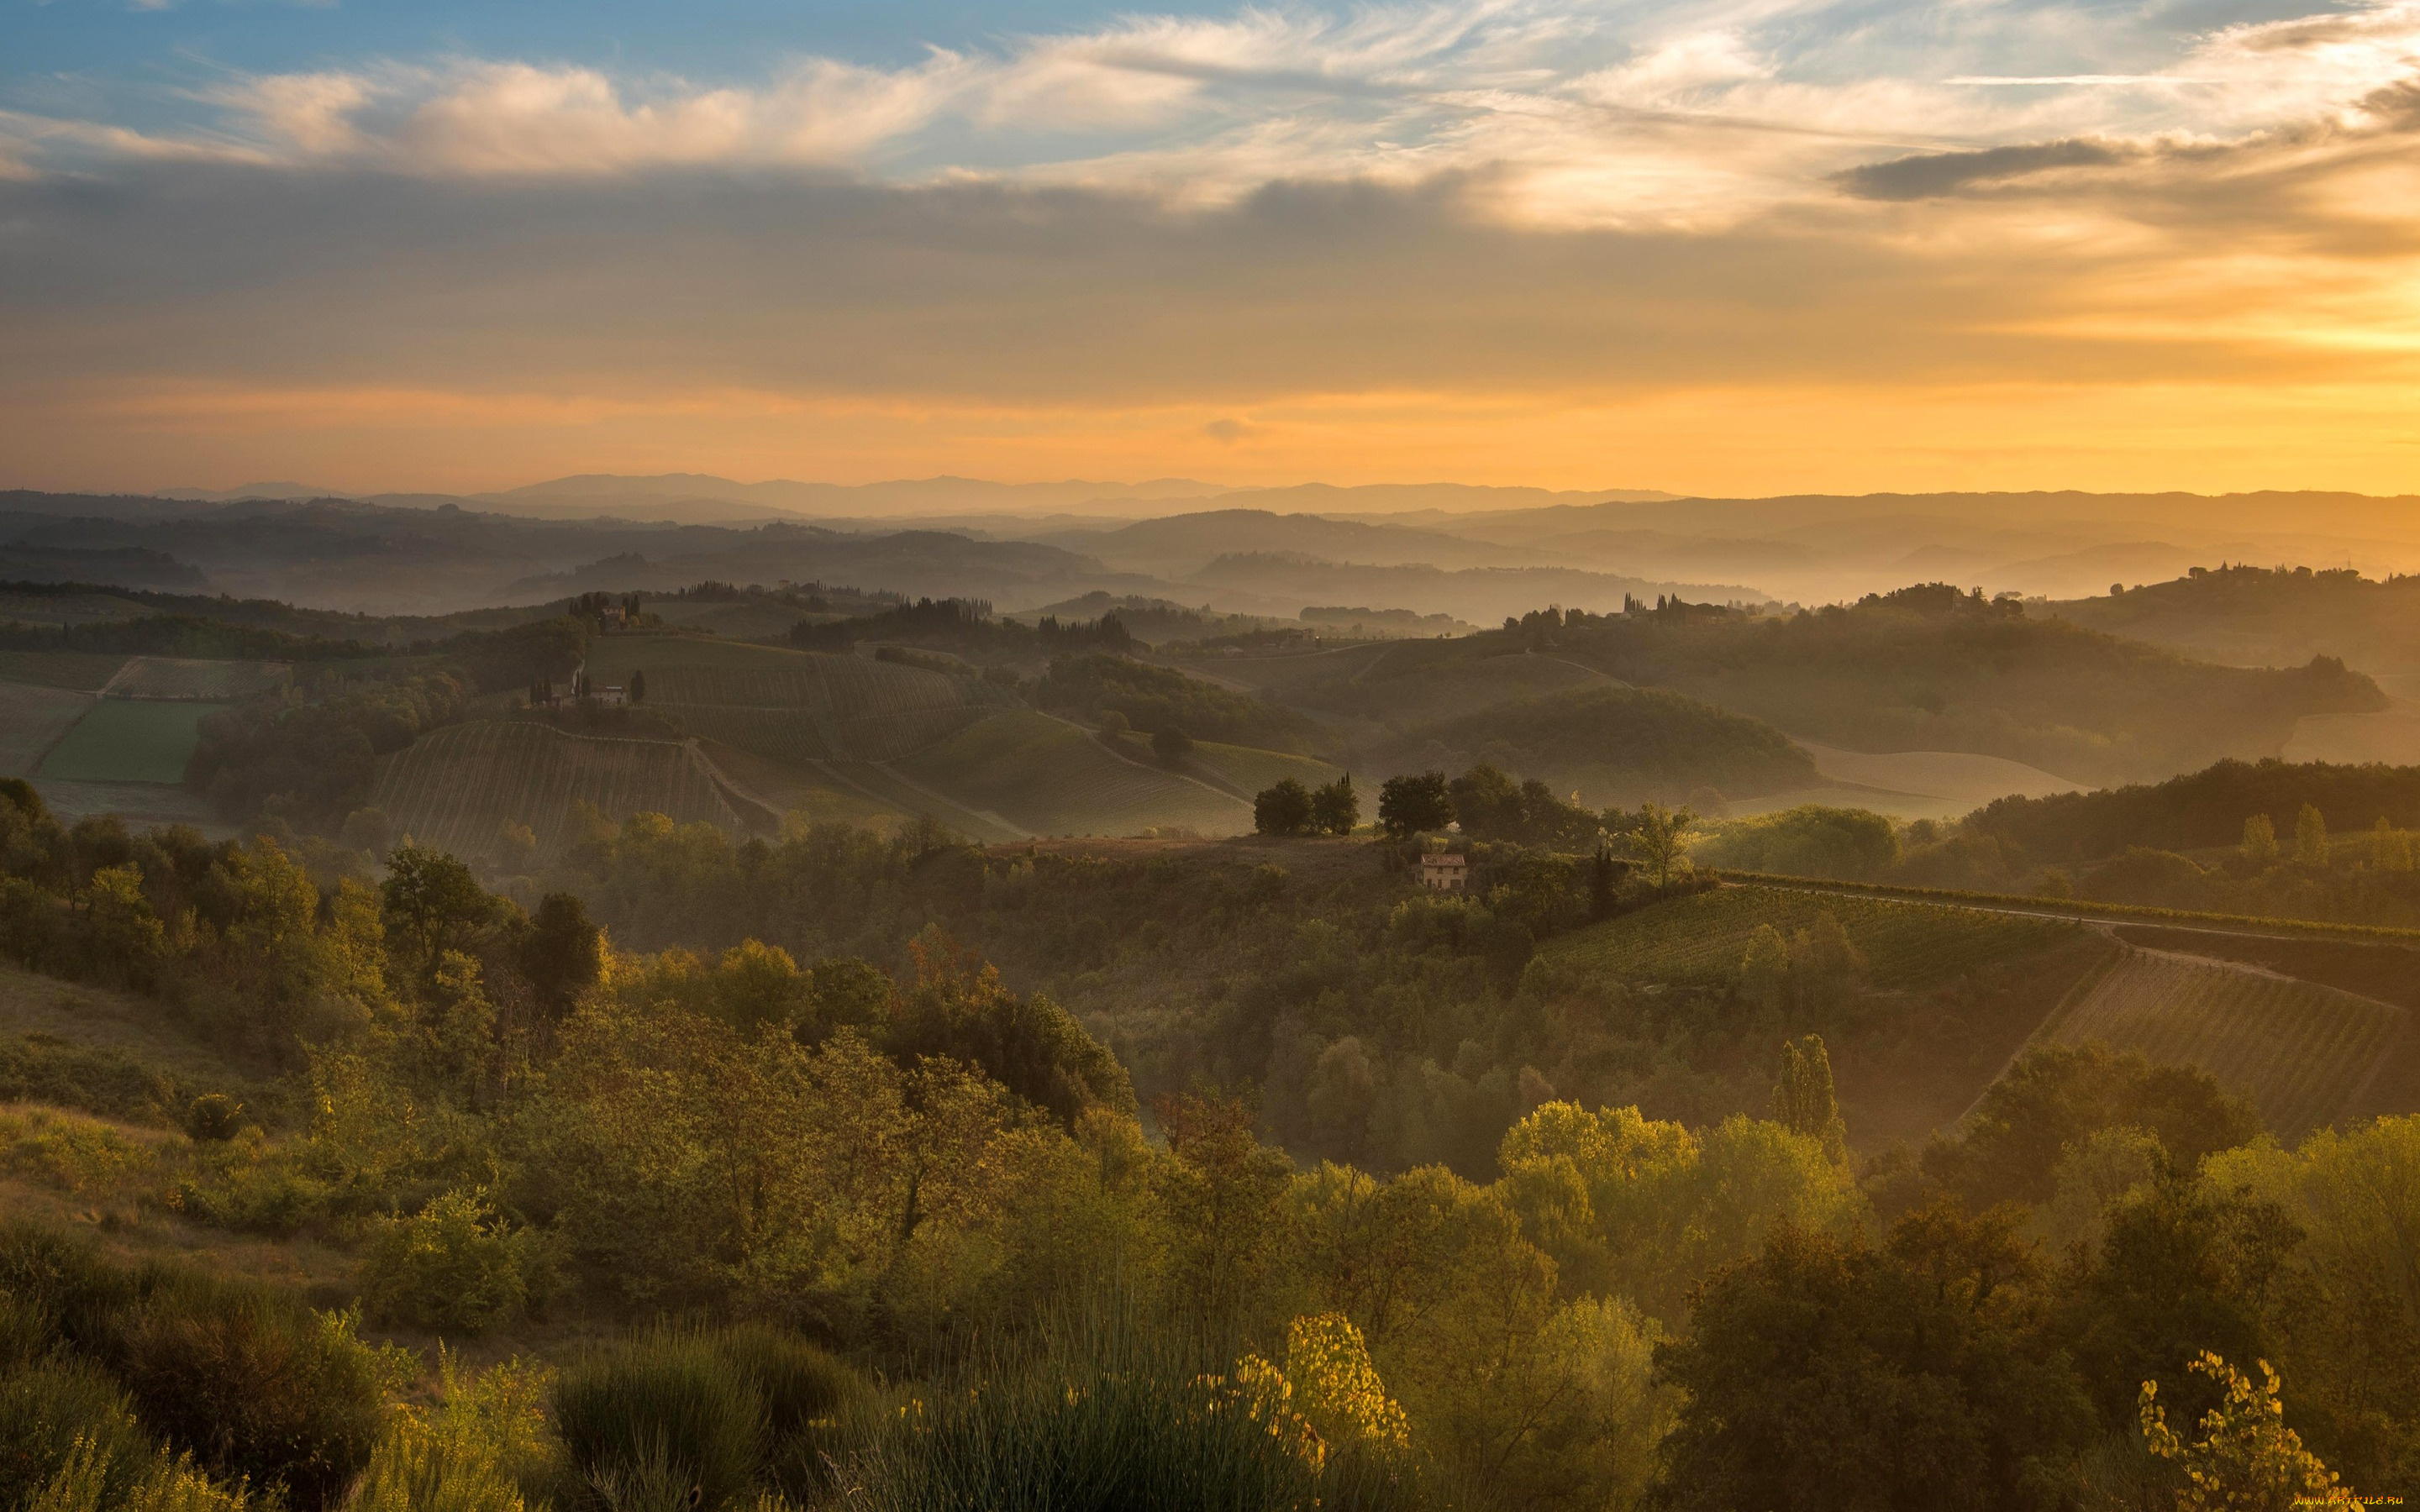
x,y
457,787
2302,1052
1053,777
1615,746
793,705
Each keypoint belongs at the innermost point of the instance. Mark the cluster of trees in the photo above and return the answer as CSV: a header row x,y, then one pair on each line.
x,y
919,1163
2202,809
966,625
1288,808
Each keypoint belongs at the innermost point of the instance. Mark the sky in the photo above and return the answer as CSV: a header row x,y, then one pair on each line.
x,y
1723,247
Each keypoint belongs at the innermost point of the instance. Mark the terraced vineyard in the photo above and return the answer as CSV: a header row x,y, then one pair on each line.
x,y
176,677
1056,779
1699,940
2299,1050
457,787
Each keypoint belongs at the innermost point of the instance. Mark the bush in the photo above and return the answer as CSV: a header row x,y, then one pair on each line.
x,y
255,1384
454,1266
808,1395
61,1290
1109,1417
214,1118
663,1417
46,1407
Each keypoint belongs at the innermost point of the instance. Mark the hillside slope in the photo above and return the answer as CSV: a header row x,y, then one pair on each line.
x,y
456,788
1055,779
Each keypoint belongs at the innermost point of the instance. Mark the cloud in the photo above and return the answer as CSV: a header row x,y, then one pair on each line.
x,y
1313,218
1929,175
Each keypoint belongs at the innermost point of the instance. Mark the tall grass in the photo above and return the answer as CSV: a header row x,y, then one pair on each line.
x,y
1105,1414
677,1419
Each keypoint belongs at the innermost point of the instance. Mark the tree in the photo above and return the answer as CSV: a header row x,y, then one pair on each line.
x,y
430,896
1336,809
2390,849
1415,802
1171,745
1283,809
2311,836
1826,1374
1605,876
1802,1100
959,1009
2247,1460
563,954
1658,837
639,687
1487,802
2259,845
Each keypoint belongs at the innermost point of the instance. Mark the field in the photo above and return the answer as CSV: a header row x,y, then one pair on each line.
x,y
86,672
793,705
2390,735
1401,685
1700,939
809,791
456,788
612,659
1050,777
31,718
173,677
70,609
1252,770
1958,777
744,619
896,790
2299,1051
128,740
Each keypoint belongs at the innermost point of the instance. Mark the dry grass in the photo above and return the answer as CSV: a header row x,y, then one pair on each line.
x,y
100,1019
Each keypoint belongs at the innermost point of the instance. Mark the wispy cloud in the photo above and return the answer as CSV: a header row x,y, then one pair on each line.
x,y
1246,224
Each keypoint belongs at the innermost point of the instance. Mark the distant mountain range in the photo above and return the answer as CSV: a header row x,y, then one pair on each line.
x,y
1467,550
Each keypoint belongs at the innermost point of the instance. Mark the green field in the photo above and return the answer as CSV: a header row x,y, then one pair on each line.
x,y
1252,770
88,672
457,787
177,677
1054,779
128,740
32,718
1700,939
2298,1050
